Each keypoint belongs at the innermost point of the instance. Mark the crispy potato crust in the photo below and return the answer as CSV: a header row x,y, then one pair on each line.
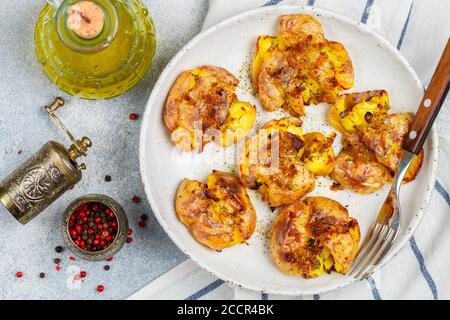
x,y
299,66
218,213
313,237
385,137
271,162
414,167
372,141
319,153
356,167
300,28
202,106
352,111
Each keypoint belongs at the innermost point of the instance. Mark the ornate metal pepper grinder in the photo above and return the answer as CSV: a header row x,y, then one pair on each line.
x,y
44,177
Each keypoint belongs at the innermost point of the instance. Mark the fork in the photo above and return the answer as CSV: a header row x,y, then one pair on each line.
x,y
384,232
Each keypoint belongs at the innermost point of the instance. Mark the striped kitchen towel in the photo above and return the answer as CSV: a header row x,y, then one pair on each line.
x,y
419,29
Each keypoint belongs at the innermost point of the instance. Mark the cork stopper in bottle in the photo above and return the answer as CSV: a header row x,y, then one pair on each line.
x,y
86,19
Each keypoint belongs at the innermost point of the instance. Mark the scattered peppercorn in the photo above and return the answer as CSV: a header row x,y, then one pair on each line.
x,y
59,249
106,267
109,259
144,217
19,274
129,239
57,260
100,288
107,178
42,275
58,268
83,274
130,232
136,199
72,258
133,116
141,224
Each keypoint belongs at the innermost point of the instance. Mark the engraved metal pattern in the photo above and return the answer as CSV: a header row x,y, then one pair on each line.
x,y
36,184
38,181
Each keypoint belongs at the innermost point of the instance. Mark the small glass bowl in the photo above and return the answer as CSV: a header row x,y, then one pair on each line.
x,y
122,228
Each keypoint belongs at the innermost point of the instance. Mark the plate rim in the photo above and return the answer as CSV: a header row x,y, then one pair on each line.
x,y
233,19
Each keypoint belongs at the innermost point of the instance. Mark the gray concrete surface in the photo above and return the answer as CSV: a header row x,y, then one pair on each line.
x,y
24,126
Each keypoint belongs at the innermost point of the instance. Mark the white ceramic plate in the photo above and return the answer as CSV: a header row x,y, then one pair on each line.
x,y
230,44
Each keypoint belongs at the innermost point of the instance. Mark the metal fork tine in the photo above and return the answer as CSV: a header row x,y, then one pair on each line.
x,y
386,228
369,263
369,254
380,256
363,248
366,246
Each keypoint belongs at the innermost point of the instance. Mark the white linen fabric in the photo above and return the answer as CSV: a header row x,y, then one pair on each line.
x,y
419,29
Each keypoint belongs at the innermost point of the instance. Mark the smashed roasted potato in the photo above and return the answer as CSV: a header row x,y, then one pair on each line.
x,y
414,167
356,167
299,66
202,106
372,141
271,162
297,29
385,137
218,213
313,237
240,120
318,153
352,111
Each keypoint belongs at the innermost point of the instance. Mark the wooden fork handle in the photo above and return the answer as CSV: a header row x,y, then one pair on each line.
x,y
431,104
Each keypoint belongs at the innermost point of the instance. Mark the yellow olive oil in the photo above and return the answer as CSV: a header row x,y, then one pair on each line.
x,y
93,68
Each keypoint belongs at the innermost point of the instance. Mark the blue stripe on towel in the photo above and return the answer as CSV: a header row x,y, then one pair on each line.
x,y
271,3
311,2
264,296
316,297
373,287
442,192
200,293
412,241
423,268
405,26
366,11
